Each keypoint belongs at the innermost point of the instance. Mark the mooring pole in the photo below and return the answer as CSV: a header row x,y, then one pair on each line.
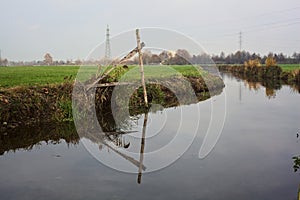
x,y
138,39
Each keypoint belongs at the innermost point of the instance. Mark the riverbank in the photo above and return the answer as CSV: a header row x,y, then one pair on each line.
x,y
25,105
31,105
264,73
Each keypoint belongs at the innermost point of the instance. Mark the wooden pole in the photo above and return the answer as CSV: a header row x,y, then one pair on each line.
x,y
142,148
124,59
138,39
130,159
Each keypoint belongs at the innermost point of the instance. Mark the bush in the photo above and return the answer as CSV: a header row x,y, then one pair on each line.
x,y
252,63
270,62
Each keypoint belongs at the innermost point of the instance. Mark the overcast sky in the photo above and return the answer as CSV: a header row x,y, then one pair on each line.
x,y
70,29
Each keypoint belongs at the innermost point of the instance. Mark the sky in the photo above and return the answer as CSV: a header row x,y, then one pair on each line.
x,y
70,29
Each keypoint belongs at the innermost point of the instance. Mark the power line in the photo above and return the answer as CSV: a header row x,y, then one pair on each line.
x,y
277,22
273,27
278,11
266,26
243,19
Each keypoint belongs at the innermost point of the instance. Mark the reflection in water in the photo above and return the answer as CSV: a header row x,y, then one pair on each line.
x,y
271,85
142,147
296,163
113,135
253,156
126,124
26,138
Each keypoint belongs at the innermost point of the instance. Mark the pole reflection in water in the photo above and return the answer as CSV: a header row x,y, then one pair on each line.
x,y
142,148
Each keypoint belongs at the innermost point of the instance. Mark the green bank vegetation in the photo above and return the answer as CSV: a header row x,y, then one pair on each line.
x,y
287,73
36,93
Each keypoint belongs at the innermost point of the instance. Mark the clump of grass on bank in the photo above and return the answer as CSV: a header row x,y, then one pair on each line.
x,y
287,74
25,105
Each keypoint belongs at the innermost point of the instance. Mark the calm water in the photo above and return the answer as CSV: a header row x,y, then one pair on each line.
x,y
252,159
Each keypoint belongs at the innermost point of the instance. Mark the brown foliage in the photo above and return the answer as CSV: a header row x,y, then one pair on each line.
x,y
271,62
252,63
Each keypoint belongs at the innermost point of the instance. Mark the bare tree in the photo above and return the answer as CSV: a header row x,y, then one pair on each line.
x,y
4,62
155,59
147,54
183,54
48,59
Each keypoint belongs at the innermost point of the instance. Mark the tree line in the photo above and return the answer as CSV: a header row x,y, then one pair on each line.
x,y
179,57
241,57
183,57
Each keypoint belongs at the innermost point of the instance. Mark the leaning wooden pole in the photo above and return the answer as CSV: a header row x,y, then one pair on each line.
x,y
138,39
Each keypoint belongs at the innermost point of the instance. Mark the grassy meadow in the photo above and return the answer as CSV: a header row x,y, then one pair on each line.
x,y
35,75
289,67
44,75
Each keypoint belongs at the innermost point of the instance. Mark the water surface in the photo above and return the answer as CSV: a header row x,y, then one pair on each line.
x,y
252,159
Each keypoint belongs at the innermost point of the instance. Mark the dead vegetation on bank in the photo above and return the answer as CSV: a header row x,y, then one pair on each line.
x,y
26,105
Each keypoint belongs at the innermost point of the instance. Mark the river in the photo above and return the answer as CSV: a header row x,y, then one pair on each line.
x,y
252,159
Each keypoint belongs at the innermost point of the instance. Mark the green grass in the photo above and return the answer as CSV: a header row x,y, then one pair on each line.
x,y
35,75
157,72
40,75
43,75
289,67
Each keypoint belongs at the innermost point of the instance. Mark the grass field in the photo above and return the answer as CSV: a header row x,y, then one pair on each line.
x,y
289,67
43,75
35,75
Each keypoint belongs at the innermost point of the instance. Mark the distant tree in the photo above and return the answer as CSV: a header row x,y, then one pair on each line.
x,y
204,59
255,56
296,57
222,55
78,62
280,58
48,59
163,55
270,54
184,54
61,62
70,62
4,62
147,57
182,57
155,59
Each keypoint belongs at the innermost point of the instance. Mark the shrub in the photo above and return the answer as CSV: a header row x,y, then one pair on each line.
x,y
270,62
252,63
